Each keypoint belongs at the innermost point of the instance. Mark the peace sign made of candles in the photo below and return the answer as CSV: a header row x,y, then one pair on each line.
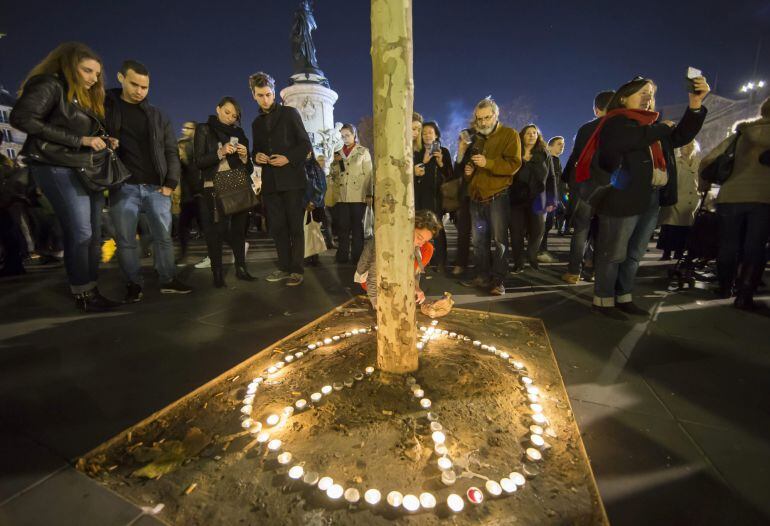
x,y
396,499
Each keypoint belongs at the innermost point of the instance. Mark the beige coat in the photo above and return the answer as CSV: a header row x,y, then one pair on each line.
x,y
683,212
749,181
355,183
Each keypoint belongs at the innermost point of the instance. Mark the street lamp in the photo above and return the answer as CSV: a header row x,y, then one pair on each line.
x,y
753,86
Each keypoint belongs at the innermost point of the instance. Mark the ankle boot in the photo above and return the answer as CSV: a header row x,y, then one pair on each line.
x,y
219,278
242,273
92,301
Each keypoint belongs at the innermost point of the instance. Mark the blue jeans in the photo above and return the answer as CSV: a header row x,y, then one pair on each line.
x,y
80,215
126,203
621,245
490,225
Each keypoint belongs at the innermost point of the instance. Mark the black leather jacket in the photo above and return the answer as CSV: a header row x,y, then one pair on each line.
x,y
165,153
54,126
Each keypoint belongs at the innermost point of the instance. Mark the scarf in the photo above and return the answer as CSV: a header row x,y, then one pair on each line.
x,y
346,150
643,117
223,132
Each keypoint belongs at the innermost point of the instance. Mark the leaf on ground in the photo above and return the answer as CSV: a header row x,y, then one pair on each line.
x,y
169,455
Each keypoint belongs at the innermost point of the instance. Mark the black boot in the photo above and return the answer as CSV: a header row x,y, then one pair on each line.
x,y
219,278
92,301
242,273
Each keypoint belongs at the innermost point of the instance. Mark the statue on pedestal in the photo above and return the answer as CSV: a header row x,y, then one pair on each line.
x,y
302,46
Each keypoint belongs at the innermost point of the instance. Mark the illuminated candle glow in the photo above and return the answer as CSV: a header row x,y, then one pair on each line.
x,y
296,472
372,496
427,501
395,499
273,420
411,503
455,502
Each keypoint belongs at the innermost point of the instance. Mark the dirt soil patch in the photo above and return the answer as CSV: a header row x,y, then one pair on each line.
x,y
196,459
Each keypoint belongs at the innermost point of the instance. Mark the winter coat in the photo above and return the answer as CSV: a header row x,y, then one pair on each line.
x,y
54,126
534,184
749,181
624,151
683,212
502,149
354,183
581,139
316,184
190,181
165,154
427,188
205,153
280,132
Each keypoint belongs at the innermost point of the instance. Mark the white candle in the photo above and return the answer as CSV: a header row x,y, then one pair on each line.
x,y
423,329
427,501
327,341
249,399
274,445
533,390
246,409
434,322
493,488
533,398
358,377
415,387
485,347
493,349
299,355
508,485
246,423
372,496
419,393
425,403
315,397
319,344
263,437
326,389
279,365
444,463
335,491
537,440
455,502
352,495
432,417
440,449
337,386
526,380
411,503
504,355
539,418
420,345
258,380
476,343
256,427
536,408
300,404
369,370
289,358
348,334
517,478
475,495
438,437
395,499
535,429
335,338
273,420
310,478
296,472
311,347
288,411
272,369
435,426
448,477
251,389
533,454
284,458
325,483
453,335
354,331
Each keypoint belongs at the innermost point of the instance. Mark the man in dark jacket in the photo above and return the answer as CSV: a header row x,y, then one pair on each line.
x,y
581,244
148,148
281,145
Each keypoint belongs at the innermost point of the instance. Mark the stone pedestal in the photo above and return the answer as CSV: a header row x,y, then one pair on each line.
x,y
315,104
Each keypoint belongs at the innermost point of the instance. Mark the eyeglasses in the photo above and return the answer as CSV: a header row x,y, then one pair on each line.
x,y
485,119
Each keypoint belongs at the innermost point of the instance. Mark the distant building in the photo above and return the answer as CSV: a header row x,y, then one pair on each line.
x,y
723,113
13,139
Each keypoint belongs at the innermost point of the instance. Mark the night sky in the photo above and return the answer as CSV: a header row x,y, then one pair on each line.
x,y
551,57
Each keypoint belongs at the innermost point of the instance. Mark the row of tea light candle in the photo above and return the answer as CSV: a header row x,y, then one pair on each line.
x,y
395,499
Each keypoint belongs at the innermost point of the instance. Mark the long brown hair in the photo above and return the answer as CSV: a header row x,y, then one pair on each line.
x,y
64,60
539,145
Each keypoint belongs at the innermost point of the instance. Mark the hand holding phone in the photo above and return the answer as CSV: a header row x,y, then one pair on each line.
x,y
692,74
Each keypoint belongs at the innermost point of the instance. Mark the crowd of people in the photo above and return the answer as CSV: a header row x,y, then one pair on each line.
x,y
505,190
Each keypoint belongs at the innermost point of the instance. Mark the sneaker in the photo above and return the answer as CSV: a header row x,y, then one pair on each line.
x,y
497,290
517,269
477,282
175,287
295,279
570,278
546,257
587,275
204,263
133,293
609,312
277,275
631,308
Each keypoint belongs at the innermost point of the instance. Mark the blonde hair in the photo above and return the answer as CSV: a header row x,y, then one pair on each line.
x,y
417,141
64,60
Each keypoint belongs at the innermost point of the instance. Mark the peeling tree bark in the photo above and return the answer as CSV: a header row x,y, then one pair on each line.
x,y
394,205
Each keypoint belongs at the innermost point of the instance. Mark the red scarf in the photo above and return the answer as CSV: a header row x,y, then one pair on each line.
x,y
347,149
643,117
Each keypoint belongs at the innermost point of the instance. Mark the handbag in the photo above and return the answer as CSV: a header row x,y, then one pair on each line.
x,y
450,194
314,238
104,171
234,191
720,169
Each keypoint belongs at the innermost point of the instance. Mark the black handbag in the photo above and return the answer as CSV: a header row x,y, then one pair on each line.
x,y
720,169
233,192
104,171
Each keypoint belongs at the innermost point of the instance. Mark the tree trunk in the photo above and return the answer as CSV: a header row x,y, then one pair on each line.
x,y
394,205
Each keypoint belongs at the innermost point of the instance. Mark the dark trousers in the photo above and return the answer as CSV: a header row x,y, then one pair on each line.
x,y
525,221
581,244
285,213
80,215
349,230
190,210
743,231
230,228
463,225
550,219
490,225
11,245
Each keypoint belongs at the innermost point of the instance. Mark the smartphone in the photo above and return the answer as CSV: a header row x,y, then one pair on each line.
x,y
234,141
465,136
692,73
435,147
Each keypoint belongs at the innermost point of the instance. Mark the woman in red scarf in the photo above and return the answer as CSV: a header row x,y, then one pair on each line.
x,y
636,156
